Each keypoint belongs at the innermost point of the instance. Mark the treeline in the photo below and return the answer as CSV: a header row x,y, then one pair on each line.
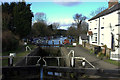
x,y
40,28
16,23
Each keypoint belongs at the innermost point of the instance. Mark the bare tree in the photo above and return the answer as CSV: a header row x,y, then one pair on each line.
x,y
79,18
84,27
40,17
55,25
72,31
97,11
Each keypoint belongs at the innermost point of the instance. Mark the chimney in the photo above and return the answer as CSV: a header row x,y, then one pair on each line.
x,y
112,2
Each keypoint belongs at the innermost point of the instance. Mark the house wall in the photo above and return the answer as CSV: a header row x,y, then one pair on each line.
x,y
80,40
104,30
109,23
93,26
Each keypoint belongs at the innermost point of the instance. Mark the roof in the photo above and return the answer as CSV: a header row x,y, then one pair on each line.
x,y
84,37
106,11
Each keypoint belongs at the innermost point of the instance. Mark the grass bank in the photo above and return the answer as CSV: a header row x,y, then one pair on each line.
x,y
102,57
20,53
117,63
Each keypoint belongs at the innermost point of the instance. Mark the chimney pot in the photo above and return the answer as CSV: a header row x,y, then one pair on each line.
x,y
112,2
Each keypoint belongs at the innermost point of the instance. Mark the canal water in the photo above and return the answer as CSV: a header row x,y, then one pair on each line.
x,y
56,42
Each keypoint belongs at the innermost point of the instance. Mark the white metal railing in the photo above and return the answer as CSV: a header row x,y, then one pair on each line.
x,y
58,59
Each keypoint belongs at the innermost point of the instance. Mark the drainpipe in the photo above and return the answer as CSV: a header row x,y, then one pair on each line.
x,y
99,32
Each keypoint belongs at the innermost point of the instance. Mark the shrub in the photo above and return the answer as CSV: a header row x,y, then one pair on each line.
x,y
100,55
91,51
9,41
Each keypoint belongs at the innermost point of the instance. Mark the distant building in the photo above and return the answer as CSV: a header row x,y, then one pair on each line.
x,y
104,29
83,38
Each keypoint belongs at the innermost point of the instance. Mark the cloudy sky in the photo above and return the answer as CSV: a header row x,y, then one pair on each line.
x,y
62,11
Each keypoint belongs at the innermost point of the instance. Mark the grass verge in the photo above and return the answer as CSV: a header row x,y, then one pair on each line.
x,y
20,53
117,63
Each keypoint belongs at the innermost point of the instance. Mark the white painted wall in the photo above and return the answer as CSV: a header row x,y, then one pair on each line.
x,y
105,34
80,40
93,26
108,22
110,19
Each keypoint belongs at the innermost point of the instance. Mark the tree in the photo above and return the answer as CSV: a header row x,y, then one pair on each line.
x,y
50,30
22,19
9,40
97,11
72,31
84,27
40,17
79,18
17,17
5,16
40,29
5,21
55,25
61,32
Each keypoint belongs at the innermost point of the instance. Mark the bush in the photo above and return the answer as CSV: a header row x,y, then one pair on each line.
x,y
91,51
100,55
9,41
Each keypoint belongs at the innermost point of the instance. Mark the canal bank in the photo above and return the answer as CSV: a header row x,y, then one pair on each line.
x,y
40,52
40,55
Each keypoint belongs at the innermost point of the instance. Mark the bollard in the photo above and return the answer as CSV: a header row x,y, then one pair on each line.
x,y
25,43
10,59
83,63
72,62
58,62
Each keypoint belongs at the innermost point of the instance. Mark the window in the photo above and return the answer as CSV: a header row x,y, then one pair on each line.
x,y
102,27
102,44
95,28
95,34
96,39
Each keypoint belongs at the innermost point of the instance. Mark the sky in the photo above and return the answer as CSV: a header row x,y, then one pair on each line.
x,y
63,12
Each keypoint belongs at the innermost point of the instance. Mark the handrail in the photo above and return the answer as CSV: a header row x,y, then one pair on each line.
x,y
58,58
